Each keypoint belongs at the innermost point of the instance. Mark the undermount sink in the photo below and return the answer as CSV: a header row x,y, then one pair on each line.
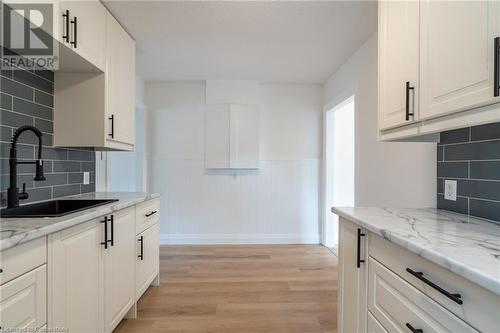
x,y
54,208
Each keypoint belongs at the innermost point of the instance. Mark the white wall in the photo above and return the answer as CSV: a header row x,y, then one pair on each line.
x,y
387,173
279,203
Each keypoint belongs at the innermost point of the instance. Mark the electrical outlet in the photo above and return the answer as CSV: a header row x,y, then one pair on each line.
x,y
86,178
450,190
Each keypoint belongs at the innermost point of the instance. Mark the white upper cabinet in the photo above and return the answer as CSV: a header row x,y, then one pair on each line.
x,y
437,66
120,80
457,55
232,136
398,63
98,109
81,27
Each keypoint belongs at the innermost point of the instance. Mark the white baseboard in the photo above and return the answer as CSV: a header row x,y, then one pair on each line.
x,y
214,239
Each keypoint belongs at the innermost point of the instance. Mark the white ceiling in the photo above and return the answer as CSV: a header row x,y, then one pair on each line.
x,y
276,41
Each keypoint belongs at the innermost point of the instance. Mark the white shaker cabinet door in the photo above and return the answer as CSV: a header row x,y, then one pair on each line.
x,y
148,254
119,268
457,55
352,278
75,278
244,142
217,136
120,81
85,29
398,63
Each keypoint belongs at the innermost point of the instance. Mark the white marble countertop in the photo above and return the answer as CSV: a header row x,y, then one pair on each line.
x,y
467,246
14,231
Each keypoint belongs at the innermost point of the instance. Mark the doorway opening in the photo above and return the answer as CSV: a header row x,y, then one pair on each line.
x,y
339,165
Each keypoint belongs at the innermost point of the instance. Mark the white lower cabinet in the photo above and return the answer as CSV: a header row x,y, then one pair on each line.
x,y
396,291
23,301
75,278
119,268
147,263
93,269
352,278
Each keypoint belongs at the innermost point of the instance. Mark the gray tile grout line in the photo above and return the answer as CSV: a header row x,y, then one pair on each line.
x,y
24,84
467,142
473,198
28,100
34,73
471,179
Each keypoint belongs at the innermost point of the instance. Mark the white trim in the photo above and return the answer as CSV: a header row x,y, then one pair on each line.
x,y
213,239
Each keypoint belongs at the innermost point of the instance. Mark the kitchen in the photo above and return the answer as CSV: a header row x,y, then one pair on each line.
x,y
183,166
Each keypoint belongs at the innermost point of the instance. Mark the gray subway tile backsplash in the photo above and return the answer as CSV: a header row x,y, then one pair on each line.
x,y
27,99
472,157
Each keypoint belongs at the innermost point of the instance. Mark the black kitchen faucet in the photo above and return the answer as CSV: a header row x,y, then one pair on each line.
x,y
13,194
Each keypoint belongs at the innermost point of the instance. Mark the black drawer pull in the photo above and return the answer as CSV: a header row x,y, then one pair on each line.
x,y
152,213
141,256
358,259
496,65
408,88
420,276
112,240
66,25
105,243
75,25
112,134
414,330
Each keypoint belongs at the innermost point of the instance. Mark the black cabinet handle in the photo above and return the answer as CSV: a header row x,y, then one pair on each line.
x,y
141,256
105,243
358,259
420,276
496,73
152,213
414,330
112,134
408,88
66,24
112,240
75,27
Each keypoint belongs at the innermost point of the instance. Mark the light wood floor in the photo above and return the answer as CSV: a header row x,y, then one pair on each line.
x,y
258,288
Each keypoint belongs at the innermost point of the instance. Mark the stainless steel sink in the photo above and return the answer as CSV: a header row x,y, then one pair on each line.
x,y
54,208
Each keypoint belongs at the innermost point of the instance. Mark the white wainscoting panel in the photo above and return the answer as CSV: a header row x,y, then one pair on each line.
x,y
273,205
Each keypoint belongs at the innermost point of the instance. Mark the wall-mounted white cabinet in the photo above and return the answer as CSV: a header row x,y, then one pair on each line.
x,y
81,27
232,136
398,63
97,110
437,66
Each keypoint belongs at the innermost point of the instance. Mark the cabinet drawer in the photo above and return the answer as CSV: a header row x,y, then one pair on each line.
x,y
22,258
147,214
396,304
373,326
480,307
23,301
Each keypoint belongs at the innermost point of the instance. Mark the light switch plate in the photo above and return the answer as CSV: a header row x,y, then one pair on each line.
x,y
86,178
450,190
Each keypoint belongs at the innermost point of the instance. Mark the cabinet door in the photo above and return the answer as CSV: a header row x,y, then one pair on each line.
x,y
352,279
217,136
244,136
87,36
23,301
457,53
120,79
119,268
75,283
398,62
147,264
